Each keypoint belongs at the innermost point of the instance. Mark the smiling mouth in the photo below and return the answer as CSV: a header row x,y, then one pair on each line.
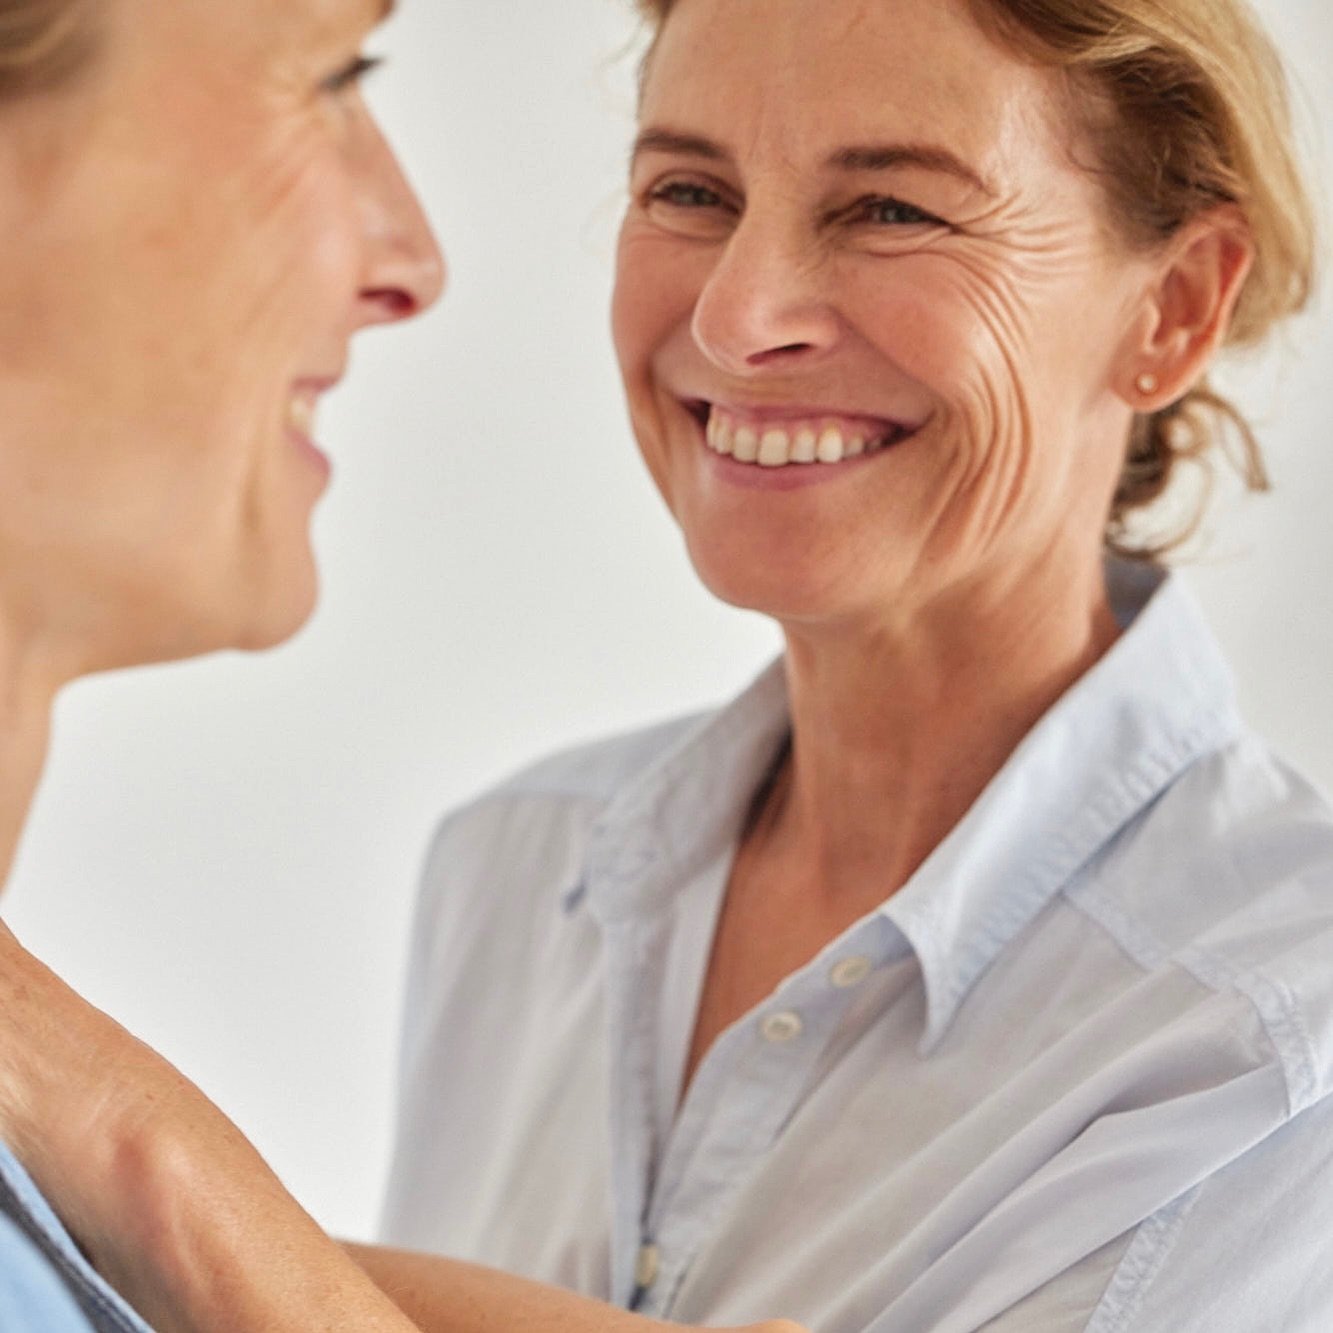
x,y
793,442
303,403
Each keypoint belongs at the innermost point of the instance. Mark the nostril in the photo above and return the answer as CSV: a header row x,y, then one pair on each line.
x,y
392,302
782,353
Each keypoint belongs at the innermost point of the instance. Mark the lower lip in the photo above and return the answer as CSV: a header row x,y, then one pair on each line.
x,y
311,452
790,476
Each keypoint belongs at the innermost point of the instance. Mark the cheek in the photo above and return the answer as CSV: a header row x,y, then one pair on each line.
x,y
658,281
640,325
149,349
196,287
987,342
952,328
271,305
632,304
293,259
278,306
974,339
313,221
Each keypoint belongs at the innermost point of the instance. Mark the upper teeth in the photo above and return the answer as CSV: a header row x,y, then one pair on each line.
x,y
793,442
301,413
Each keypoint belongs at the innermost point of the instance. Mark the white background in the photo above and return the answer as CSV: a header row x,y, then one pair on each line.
x,y
224,853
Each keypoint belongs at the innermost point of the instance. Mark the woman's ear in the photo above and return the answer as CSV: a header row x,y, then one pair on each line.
x,y
1189,306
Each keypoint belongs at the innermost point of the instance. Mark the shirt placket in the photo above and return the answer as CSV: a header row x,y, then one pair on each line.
x,y
747,1088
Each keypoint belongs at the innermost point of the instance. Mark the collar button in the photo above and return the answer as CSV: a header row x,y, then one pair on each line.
x,y
850,973
780,1028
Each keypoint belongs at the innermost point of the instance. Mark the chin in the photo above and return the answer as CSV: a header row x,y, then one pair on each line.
x,y
282,618
269,600
186,613
775,584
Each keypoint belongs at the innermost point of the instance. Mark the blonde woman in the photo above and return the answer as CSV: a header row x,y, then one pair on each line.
x,y
972,970
197,214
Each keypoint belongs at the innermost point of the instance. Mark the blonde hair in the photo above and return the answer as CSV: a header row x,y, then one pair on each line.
x,y
42,42
1186,104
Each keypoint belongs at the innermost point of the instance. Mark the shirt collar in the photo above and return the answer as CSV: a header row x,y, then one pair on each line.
x,y
1158,700
686,807
1161,698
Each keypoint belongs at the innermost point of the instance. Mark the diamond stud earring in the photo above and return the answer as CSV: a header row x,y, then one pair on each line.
x,y
1147,384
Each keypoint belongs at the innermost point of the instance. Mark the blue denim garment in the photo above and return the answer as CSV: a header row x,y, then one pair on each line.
x,y
46,1285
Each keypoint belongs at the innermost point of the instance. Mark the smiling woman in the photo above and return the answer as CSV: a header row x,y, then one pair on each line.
x,y
197,215
970,970
199,254
1172,139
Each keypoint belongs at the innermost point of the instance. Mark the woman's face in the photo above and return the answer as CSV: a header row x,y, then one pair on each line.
x,y
192,232
861,232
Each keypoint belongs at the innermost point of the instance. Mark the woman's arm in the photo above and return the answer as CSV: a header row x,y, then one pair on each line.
x,y
181,1214
444,1294
166,1197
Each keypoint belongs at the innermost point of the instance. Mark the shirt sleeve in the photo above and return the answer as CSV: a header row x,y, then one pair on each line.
x,y
1250,1249
32,1295
1069,1302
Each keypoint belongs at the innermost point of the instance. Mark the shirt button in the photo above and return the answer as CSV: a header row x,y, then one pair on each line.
x,y
850,972
783,1027
647,1266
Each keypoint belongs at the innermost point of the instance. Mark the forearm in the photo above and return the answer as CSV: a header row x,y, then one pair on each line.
x,y
165,1195
210,1242
447,1296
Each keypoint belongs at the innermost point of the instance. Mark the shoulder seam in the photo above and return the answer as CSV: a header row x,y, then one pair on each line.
x,y
1272,1001
1154,1239
1277,1010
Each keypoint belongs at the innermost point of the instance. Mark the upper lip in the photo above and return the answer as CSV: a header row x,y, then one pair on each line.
x,y
778,413
319,383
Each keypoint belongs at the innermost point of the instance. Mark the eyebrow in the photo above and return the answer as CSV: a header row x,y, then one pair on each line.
x,y
859,158
883,157
670,141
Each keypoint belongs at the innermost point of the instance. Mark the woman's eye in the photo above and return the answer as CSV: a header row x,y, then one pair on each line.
x,y
683,194
895,213
351,74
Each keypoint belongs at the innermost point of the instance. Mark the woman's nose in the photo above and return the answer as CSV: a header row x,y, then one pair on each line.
x,y
405,271
765,304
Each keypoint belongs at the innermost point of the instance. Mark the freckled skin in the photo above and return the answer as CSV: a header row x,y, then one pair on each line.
x,y
1005,331
201,223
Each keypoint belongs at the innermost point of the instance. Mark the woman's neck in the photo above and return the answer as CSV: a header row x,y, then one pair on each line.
x,y
896,731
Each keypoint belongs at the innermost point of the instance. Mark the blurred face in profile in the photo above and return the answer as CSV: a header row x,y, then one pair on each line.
x,y
194,225
872,316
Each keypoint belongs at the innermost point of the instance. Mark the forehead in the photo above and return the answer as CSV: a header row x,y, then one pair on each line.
x,y
324,16
250,24
798,74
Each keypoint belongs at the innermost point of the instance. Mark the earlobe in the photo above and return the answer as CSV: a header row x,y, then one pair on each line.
x,y
1192,301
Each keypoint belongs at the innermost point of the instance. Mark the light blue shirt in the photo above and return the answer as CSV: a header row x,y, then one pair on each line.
x,y
1073,1076
46,1285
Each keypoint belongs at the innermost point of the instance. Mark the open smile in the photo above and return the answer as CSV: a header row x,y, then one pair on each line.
x,y
812,440
303,403
302,406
